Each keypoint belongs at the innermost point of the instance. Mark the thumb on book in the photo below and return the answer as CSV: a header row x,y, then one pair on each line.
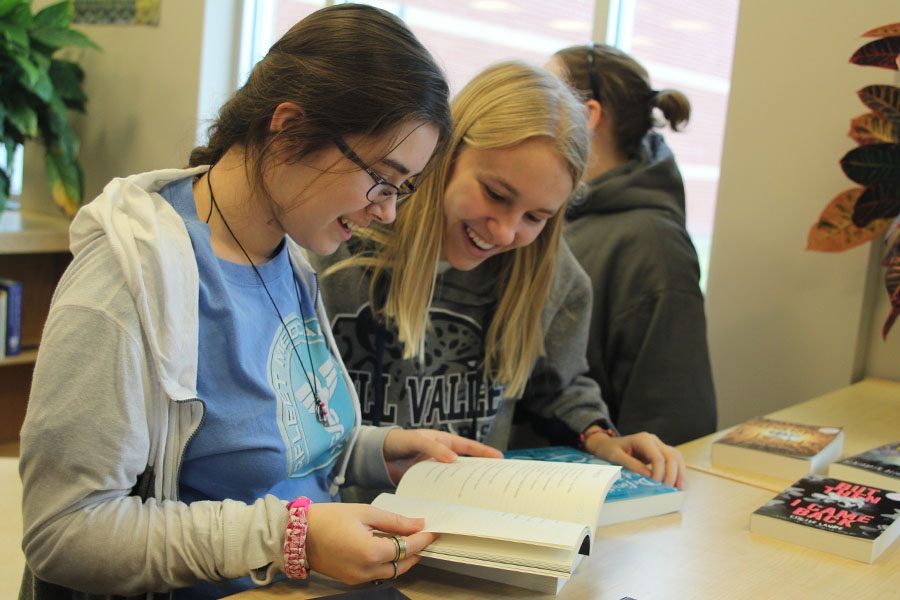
x,y
389,522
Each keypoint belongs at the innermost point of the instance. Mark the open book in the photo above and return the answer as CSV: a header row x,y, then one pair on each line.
x,y
521,522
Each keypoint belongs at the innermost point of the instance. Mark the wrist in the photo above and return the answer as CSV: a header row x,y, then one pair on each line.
x,y
296,565
600,427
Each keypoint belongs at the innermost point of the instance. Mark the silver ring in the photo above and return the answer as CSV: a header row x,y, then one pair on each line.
x,y
394,564
397,543
402,548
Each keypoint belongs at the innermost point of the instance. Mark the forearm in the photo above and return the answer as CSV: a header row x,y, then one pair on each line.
x,y
125,547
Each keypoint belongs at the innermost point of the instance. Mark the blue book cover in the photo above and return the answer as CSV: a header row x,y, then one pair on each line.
x,y
632,496
3,296
13,315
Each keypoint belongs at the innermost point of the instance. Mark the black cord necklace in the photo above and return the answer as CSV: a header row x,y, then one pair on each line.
x,y
321,408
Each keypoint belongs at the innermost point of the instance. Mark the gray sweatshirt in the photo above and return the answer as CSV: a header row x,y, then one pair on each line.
x,y
446,390
647,347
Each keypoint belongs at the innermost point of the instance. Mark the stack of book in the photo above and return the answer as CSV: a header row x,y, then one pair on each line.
x,y
878,467
779,449
837,516
853,511
10,317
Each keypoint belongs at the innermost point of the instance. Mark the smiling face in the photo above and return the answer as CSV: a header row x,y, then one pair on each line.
x,y
500,199
319,201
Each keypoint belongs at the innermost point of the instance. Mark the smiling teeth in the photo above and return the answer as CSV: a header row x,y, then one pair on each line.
x,y
478,241
347,224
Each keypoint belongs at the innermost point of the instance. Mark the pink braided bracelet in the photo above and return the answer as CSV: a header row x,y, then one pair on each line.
x,y
295,564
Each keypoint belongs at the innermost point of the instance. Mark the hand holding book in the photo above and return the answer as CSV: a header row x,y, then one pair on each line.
x,y
405,447
521,522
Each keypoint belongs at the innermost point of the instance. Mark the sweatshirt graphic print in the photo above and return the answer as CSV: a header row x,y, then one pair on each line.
x,y
446,390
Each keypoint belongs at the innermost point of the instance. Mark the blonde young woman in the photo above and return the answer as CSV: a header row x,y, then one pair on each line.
x,y
470,303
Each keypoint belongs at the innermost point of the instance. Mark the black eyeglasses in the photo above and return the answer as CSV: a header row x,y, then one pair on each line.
x,y
592,73
383,189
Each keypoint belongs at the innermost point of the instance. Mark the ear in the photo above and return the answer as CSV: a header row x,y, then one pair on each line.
x,y
594,114
284,114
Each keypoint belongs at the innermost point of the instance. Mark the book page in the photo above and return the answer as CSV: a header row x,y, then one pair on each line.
x,y
489,535
561,491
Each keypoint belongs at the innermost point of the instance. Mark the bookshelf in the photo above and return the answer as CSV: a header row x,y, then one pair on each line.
x,y
34,249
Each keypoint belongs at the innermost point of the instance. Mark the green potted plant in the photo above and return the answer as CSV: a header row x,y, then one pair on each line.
x,y
37,89
864,213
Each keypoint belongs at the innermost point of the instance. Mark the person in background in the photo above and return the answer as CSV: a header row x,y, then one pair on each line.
x,y
470,304
647,345
190,420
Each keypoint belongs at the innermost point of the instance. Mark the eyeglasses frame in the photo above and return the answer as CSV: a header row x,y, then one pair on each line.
x,y
404,191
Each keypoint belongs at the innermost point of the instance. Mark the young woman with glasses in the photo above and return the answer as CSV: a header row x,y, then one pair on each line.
x,y
469,304
647,345
190,419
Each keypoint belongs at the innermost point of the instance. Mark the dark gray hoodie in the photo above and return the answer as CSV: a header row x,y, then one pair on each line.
x,y
647,345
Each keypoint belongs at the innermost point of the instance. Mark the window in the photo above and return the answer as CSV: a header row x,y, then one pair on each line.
x,y
684,45
687,46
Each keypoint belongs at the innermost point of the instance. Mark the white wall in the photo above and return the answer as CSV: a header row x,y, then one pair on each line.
x,y
144,93
784,323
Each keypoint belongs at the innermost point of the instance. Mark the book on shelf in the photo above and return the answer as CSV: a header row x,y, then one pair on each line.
x,y
3,301
13,338
841,517
632,496
878,467
521,522
778,449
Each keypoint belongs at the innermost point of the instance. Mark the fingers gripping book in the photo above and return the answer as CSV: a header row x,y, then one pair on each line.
x,y
526,523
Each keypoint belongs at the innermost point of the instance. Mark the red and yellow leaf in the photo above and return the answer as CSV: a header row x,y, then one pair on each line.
x,y
835,231
871,129
879,53
892,29
884,100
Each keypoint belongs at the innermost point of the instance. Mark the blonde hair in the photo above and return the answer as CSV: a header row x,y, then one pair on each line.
x,y
506,104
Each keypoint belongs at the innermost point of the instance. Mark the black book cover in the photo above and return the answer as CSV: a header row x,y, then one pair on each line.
x,y
837,506
884,460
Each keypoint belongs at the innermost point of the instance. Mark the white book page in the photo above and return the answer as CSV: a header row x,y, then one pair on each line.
x,y
443,517
570,492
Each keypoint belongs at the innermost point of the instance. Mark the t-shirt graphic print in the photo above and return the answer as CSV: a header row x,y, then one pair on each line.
x,y
310,445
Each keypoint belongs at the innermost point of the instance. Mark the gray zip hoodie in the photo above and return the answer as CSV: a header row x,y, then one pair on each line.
x,y
446,390
647,346
113,405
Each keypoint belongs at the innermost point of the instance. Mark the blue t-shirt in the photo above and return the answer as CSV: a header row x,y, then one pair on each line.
x,y
259,434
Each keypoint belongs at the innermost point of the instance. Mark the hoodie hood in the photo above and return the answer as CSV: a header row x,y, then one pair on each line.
x,y
651,180
133,220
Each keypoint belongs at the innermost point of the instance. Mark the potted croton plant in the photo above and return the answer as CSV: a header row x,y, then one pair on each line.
x,y
872,208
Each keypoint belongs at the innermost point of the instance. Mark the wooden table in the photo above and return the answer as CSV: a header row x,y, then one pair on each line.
x,y
706,551
869,412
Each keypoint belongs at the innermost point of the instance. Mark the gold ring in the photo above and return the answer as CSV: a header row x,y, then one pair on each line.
x,y
402,548
397,543
394,564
